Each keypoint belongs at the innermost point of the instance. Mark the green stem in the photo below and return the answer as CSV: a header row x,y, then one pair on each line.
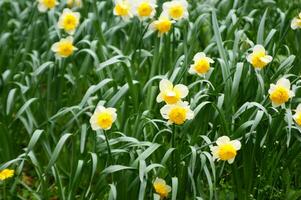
x,y
109,149
173,146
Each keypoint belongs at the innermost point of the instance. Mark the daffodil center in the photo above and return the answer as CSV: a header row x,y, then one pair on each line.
x,y
65,48
178,115
122,9
161,189
280,95
144,9
176,11
70,22
49,3
163,25
226,152
256,59
171,96
105,120
202,66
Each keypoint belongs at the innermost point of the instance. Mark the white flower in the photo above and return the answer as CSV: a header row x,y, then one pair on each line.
x,y
201,64
226,149
297,115
45,5
259,58
177,113
280,93
123,8
103,118
296,22
176,9
69,21
144,9
171,94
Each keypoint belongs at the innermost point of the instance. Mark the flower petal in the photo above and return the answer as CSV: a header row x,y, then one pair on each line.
x,y
222,140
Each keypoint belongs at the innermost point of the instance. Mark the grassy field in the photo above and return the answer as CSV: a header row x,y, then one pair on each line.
x,y
88,109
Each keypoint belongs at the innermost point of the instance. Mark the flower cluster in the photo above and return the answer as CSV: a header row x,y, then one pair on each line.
x,y
174,10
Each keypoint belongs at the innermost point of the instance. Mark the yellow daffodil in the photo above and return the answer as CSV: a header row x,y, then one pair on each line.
x,y
259,58
201,64
123,9
69,21
64,47
74,3
45,5
161,188
6,173
144,9
162,25
297,115
177,113
103,118
226,149
176,9
280,93
296,22
171,94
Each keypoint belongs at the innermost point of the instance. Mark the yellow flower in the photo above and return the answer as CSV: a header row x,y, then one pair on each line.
x,y
259,57
44,5
296,22
162,25
123,8
176,9
64,47
69,21
161,188
280,93
103,118
171,94
177,113
74,3
201,64
297,115
145,9
6,173
226,149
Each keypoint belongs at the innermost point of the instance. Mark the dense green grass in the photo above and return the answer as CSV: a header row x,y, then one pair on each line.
x,y
46,104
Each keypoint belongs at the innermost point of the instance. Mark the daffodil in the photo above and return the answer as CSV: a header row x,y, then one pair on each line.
x,y
171,94
280,93
74,3
259,57
144,9
123,8
64,47
163,24
297,115
296,22
69,21
176,9
177,113
201,64
6,173
226,149
103,118
161,188
45,5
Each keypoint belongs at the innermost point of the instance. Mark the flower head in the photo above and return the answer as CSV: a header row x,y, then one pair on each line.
x,y
226,149
6,173
123,8
259,58
171,94
177,113
201,64
69,21
74,3
280,93
161,188
64,47
45,5
162,25
103,118
144,9
297,115
176,9
296,22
